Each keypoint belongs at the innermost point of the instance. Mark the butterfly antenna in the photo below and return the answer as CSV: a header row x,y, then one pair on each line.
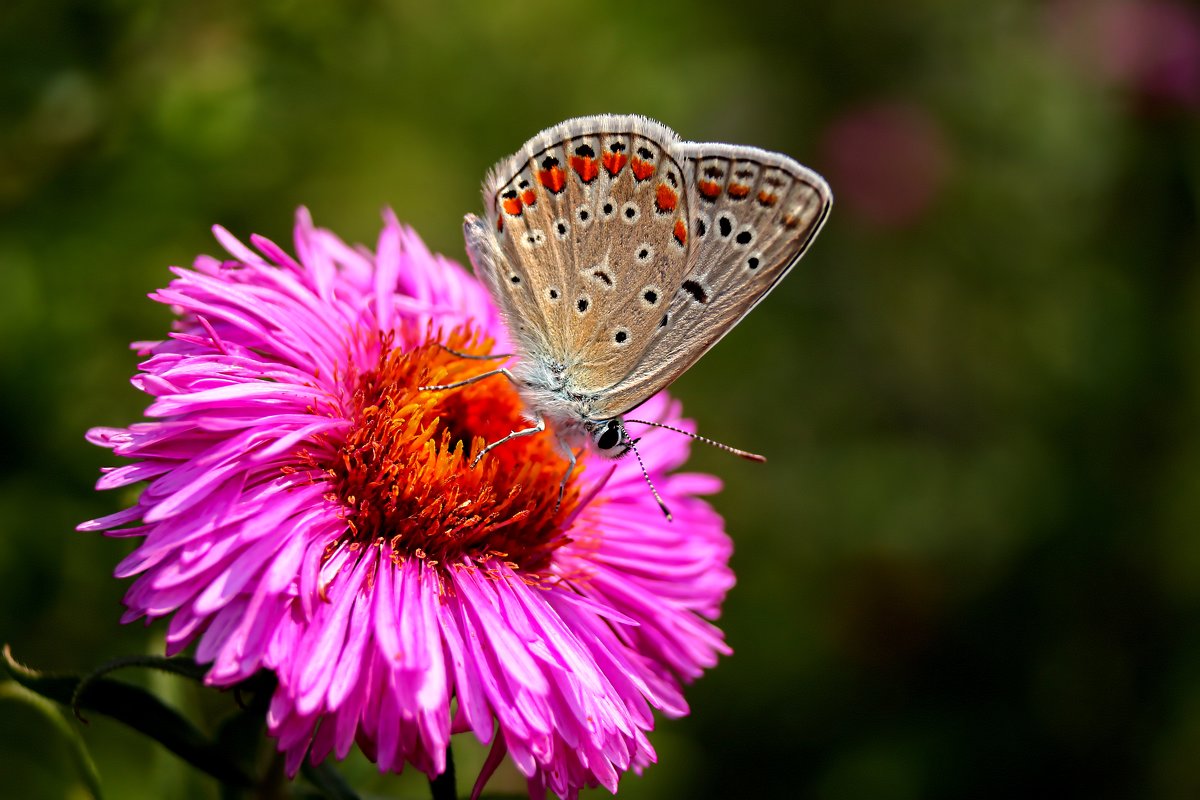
x,y
741,453
650,483
472,356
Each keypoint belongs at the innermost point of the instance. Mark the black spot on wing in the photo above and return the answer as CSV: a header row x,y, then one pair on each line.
x,y
696,291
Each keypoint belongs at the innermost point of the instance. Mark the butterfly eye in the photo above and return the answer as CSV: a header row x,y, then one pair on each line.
x,y
611,436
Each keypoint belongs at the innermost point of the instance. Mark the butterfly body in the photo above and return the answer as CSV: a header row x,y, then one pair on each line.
x,y
544,387
619,254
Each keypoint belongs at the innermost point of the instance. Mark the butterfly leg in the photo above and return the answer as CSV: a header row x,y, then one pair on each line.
x,y
537,428
468,381
562,486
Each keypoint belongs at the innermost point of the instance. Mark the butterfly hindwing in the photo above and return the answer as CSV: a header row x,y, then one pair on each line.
x,y
753,215
620,254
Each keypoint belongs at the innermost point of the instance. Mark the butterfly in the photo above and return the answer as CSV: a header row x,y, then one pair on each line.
x,y
619,254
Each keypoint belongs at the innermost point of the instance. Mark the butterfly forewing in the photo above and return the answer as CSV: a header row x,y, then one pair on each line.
x,y
590,223
753,214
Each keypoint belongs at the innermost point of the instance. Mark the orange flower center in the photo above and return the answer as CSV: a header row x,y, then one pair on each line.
x,y
403,473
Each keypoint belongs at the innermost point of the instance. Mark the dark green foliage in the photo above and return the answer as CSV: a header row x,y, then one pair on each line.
x,y
971,567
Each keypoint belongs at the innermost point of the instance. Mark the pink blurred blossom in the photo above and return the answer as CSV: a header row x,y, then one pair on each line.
x,y
1150,49
889,161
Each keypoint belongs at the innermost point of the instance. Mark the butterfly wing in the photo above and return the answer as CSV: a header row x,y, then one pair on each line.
x,y
584,242
753,215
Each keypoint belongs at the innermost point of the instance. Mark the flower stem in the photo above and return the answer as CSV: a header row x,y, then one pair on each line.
x,y
443,786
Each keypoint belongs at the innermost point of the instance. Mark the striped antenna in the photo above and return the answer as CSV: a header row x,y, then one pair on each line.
x,y
646,475
741,453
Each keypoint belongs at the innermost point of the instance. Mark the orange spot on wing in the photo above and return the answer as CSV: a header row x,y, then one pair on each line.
x,y
738,191
585,168
666,199
709,190
529,197
767,199
512,205
680,232
499,224
641,169
614,162
553,179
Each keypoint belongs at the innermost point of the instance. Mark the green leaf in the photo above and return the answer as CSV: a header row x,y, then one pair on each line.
x,y
184,667
240,734
84,766
137,708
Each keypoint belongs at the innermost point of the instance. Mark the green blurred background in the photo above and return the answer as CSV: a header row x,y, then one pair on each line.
x,y
971,567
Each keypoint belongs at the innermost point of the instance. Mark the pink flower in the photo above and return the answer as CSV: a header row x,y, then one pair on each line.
x,y
889,161
1151,48
311,512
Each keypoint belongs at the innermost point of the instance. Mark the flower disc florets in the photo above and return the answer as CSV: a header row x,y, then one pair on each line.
x,y
403,473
